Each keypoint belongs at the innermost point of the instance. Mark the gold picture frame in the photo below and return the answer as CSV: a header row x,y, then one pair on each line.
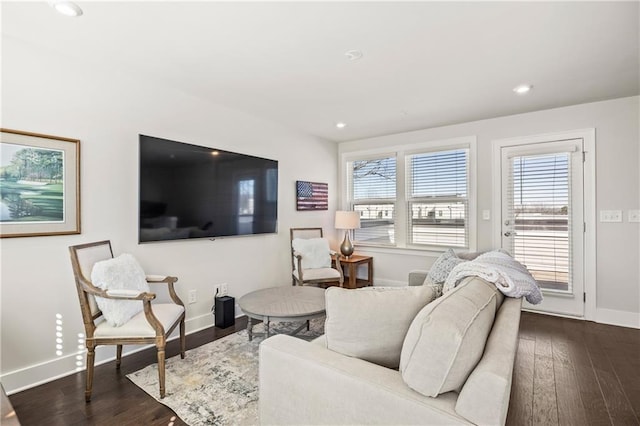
x,y
39,184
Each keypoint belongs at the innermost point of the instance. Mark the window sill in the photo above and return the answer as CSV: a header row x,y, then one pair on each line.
x,y
361,248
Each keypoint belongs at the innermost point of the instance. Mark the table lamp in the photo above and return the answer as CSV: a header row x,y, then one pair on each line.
x,y
347,220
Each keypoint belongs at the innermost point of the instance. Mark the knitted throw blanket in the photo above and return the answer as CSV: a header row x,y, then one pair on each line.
x,y
510,276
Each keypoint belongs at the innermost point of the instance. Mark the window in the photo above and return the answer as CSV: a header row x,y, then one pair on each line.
x,y
374,195
418,197
437,198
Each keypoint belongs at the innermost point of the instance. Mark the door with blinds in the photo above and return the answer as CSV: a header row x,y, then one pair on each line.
x,y
542,219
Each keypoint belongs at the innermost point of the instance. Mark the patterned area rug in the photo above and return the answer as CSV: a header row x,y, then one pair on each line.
x,y
217,383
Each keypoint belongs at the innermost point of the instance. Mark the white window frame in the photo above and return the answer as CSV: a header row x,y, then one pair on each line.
x,y
401,222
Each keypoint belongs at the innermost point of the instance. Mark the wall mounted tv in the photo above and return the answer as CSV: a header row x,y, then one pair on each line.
x,y
189,191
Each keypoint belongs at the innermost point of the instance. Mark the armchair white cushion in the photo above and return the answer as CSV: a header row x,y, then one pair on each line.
x,y
315,253
138,326
318,274
122,273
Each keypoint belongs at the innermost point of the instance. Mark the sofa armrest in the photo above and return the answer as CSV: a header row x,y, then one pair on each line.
x,y
417,277
306,383
484,398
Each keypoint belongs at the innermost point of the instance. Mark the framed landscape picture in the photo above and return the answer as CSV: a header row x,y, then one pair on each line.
x,y
39,184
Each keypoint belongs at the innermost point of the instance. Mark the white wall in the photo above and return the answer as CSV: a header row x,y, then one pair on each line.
x,y
617,188
44,92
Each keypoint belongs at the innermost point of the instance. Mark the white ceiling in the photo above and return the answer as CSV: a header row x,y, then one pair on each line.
x,y
425,64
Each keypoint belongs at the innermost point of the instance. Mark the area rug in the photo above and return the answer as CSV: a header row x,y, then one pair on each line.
x,y
217,383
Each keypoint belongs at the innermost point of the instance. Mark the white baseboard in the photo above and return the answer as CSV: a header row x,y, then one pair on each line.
x,y
38,374
619,318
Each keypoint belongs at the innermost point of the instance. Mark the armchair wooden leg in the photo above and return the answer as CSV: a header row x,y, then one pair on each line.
x,y
91,355
183,339
118,356
161,370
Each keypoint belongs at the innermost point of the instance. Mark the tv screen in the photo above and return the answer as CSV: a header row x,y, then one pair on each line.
x,y
189,191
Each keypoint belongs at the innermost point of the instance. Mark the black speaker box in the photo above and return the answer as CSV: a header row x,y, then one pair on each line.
x,y
225,315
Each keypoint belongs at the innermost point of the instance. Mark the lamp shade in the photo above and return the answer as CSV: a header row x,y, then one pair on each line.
x,y
347,220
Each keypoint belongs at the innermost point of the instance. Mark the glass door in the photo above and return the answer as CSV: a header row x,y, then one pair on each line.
x,y
543,221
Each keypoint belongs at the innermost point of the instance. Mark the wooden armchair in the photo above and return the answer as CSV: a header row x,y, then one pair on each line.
x,y
303,270
151,326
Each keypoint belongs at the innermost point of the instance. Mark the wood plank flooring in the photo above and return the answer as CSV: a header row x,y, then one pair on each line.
x,y
571,372
115,400
567,372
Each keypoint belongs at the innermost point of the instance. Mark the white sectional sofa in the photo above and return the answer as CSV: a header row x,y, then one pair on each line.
x,y
308,383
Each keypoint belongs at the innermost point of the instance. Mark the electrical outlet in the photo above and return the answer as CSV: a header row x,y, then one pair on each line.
x,y
634,215
216,290
610,215
193,298
223,289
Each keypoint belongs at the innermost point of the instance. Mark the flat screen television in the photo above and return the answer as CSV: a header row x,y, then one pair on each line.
x,y
190,191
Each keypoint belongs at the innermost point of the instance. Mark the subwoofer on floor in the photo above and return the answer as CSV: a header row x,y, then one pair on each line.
x,y
225,311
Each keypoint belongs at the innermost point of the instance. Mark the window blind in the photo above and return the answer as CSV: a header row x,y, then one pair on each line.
x,y
438,198
373,195
539,209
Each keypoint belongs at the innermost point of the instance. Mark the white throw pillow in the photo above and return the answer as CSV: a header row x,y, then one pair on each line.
x,y
371,323
120,273
315,252
447,337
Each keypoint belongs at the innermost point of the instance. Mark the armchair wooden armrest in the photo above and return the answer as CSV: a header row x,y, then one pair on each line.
x,y
169,280
298,257
132,295
152,279
114,294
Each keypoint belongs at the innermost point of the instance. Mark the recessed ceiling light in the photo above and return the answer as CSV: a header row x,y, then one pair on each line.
x,y
353,55
215,153
522,89
341,125
66,8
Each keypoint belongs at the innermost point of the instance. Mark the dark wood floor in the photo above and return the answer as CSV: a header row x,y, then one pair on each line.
x,y
115,400
571,372
567,372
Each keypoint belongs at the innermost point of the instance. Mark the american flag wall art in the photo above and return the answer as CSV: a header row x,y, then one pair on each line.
x,y
312,195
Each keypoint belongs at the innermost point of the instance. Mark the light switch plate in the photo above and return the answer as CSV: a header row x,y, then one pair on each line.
x,y
634,215
610,215
486,214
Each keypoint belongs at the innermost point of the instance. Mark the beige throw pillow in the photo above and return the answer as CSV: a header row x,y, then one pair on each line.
x,y
370,323
446,339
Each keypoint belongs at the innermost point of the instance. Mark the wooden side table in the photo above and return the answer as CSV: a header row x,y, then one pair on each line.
x,y
350,267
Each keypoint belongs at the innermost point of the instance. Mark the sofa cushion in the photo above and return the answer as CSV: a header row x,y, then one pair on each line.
x,y
446,339
371,323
